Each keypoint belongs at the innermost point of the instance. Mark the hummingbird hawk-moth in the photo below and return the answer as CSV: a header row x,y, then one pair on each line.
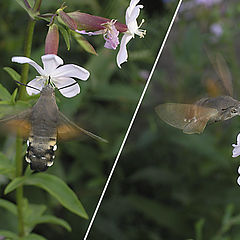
x,y
193,118
42,125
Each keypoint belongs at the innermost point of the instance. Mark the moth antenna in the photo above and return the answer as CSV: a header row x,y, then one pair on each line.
x,y
27,85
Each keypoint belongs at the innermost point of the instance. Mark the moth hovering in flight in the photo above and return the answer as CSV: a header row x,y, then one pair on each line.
x,y
193,118
42,125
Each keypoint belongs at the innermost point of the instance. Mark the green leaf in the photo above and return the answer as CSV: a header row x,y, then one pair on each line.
x,y
160,213
34,211
199,229
11,207
33,236
54,186
10,109
7,168
4,94
31,213
8,235
84,43
28,10
15,76
53,220
228,214
16,182
13,97
65,35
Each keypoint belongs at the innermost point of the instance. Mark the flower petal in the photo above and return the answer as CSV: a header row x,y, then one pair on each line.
x,y
236,150
71,70
238,139
29,61
132,5
132,13
111,36
122,54
37,83
51,62
70,91
238,180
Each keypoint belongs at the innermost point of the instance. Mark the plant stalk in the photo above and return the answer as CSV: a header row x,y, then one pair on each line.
x,y
22,95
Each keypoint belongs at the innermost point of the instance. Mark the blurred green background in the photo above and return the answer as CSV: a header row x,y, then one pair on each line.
x,y
167,185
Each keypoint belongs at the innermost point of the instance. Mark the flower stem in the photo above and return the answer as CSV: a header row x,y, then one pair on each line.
x,y
19,190
27,53
22,95
19,160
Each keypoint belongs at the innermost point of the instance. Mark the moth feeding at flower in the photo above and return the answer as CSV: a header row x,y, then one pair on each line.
x,y
193,118
44,123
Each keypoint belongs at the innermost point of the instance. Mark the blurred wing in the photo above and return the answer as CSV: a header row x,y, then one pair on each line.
x,y
67,129
19,123
223,72
191,118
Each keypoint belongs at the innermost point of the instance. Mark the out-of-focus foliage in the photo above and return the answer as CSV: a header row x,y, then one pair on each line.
x,y
167,185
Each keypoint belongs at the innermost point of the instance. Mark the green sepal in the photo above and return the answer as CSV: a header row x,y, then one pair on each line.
x,y
66,36
84,43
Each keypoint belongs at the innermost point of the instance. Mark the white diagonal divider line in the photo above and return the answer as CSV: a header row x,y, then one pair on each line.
x,y
132,121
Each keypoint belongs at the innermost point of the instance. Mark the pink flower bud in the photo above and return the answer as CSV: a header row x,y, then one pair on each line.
x,y
52,40
68,21
89,22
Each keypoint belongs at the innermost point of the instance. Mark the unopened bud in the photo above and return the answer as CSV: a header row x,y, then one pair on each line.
x,y
90,22
52,40
68,21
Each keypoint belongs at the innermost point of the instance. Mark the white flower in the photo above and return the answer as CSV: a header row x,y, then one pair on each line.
x,y
236,150
58,76
238,179
216,29
132,13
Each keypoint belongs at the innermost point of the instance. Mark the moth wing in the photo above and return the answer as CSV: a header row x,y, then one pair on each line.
x,y
188,117
196,127
67,129
18,123
222,70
